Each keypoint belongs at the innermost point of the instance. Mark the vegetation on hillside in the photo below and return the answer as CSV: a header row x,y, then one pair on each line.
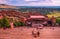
x,y
55,14
18,24
4,23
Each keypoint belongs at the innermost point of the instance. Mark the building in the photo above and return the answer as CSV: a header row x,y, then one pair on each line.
x,y
35,20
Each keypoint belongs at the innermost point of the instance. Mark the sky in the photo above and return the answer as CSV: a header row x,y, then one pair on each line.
x,y
31,2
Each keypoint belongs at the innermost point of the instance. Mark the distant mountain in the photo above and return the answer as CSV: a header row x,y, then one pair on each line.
x,y
39,9
38,6
17,7
3,5
6,6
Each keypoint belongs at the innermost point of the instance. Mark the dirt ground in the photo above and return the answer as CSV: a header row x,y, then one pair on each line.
x,y
26,33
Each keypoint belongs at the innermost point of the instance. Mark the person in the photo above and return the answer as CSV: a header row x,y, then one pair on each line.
x,y
34,33
40,26
38,34
45,23
49,22
53,19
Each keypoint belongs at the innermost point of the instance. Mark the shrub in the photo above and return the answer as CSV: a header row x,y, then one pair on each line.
x,y
17,24
5,23
58,20
0,23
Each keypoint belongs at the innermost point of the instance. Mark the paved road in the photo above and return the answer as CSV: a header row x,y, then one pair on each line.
x,y
25,33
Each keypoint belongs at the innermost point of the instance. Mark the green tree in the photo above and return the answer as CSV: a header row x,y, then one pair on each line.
x,y
0,23
58,20
5,22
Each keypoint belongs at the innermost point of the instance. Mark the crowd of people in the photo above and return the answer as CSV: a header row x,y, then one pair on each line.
x,y
50,22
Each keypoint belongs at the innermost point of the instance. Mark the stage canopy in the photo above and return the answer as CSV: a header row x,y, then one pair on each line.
x,y
37,16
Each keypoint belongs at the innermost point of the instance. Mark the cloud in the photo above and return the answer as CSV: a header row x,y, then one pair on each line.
x,y
31,2
37,4
43,3
3,1
38,0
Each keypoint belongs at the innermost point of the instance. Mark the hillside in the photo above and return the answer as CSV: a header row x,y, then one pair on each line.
x,y
37,9
6,6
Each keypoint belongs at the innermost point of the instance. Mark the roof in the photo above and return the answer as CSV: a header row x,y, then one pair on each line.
x,y
37,16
